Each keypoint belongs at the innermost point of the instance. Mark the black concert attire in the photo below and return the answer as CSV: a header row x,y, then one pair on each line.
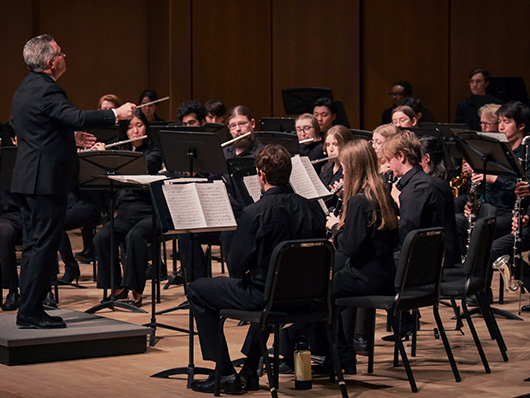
x,y
10,235
329,178
84,210
425,203
467,109
45,122
225,237
279,215
134,226
314,151
500,194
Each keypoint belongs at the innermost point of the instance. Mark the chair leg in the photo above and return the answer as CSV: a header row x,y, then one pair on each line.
x,y
490,318
475,337
415,321
447,347
336,361
371,348
401,348
456,311
276,350
272,379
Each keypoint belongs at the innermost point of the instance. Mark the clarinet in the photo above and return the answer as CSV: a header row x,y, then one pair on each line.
x,y
472,197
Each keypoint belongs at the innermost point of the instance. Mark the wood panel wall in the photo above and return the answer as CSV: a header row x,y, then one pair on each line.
x,y
245,52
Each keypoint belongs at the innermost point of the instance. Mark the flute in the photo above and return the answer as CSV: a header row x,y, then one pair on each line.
x,y
143,137
153,102
308,140
337,188
234,140
323,159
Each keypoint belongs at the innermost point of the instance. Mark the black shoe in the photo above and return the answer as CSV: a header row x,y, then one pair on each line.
x,y
49,301
85,255
230,384
361,344
11,303
71,274
249,379
348,366
39,322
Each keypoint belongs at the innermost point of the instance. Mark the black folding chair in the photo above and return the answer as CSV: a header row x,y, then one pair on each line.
x,y
417,284
298,289
473,281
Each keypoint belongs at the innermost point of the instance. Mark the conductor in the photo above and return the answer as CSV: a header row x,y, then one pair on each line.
x,y
45,122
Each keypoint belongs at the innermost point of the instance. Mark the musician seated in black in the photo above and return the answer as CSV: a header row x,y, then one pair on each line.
x,y
191,113
278,216
215,111
308,128
325,110
514,122
401,94
150,110
433,163
133,223
466,111
240,122
365,234
10,235
404,117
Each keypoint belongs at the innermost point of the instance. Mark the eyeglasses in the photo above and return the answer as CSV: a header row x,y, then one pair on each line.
x,y
376,144
488,124
403,120
235,125
303,128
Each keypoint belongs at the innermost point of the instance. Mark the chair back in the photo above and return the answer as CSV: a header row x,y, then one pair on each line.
x,y
478,254
420,263
300,275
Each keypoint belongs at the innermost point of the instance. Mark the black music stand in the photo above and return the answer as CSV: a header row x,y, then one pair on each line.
x,y
488,155
363,134
281,124
95,169
108,135
288,140
301,99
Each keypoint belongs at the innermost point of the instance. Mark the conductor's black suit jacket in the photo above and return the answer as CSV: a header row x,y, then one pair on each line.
x,y
45,122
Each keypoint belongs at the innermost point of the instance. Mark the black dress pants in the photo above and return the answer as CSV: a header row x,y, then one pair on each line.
x,y
10,234
134,226
43,224
207,296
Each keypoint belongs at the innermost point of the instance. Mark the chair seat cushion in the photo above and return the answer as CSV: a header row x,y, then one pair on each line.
x,y
413,298
457,286
277,317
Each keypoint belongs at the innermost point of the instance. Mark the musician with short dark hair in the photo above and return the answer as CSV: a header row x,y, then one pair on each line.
x,y
215,111
191,113
278,216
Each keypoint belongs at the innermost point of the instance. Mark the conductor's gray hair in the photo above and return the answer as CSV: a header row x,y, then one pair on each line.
x,y
37,52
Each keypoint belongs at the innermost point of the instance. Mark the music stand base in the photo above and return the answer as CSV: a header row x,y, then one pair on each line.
x,y
173,280
153,325
190,370
183,306
112,304
60,282
495,311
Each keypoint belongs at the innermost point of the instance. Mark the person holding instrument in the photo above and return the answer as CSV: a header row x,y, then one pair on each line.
x,y
133,223
310,138
45,122
149,111
336,138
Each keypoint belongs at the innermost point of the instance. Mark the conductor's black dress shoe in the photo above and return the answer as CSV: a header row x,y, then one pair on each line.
x,y
39,322
230,384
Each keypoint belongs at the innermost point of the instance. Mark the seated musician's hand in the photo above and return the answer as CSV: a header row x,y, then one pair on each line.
x,y
84,139
126,111
336,185
468,208
521,189
466,169
331,221
478,177
99,146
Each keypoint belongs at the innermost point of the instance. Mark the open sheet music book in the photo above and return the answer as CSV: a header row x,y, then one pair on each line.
x,y
137,179
305,180
193,207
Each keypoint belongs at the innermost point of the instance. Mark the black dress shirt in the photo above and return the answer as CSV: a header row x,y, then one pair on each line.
x,y
370,250
279,215
467,109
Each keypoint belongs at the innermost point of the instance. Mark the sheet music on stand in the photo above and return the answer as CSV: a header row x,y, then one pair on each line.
x,y
193,207
304,179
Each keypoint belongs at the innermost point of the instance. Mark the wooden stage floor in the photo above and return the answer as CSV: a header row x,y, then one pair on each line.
x,y
129,375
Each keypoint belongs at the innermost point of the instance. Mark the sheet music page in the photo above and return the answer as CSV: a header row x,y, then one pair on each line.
x,y
181,180
315,179
253,188
184,206
137,179
498,136
216,205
